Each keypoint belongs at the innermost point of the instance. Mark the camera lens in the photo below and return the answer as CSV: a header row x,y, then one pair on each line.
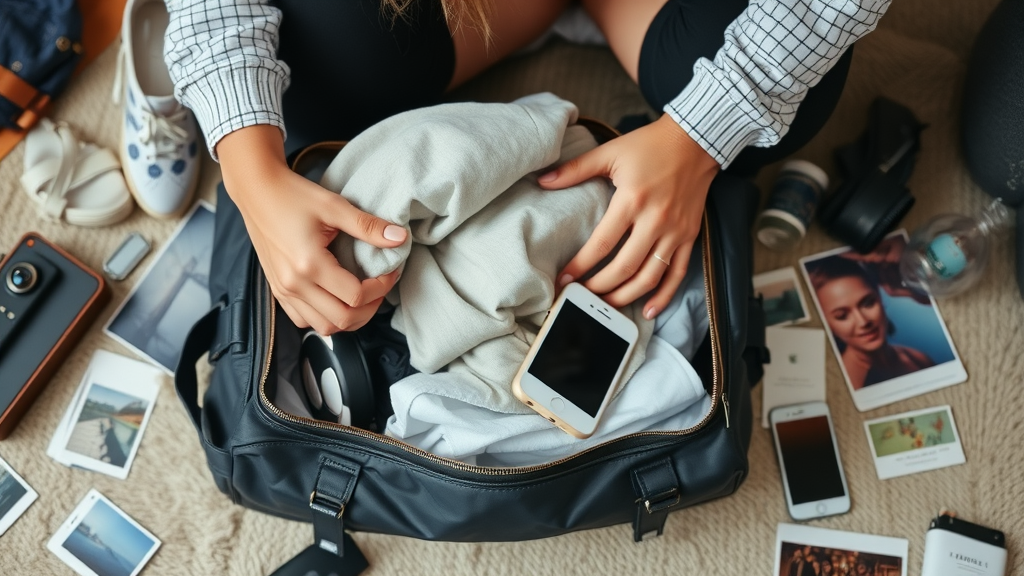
x,y
22,277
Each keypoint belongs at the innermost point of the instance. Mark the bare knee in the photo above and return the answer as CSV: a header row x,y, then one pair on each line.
x,y
624,23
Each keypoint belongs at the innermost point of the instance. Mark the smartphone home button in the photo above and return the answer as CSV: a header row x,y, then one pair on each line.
x,y
821,508
557,404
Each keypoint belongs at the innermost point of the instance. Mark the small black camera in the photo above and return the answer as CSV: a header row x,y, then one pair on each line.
x,y
47,301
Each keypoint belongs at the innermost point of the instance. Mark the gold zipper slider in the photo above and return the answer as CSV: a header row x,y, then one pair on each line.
x,y
725,404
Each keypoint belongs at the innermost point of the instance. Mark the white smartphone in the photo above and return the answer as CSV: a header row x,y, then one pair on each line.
x,y
572,369
812,473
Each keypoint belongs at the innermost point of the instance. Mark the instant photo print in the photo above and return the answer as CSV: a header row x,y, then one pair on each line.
x,y
890,340
99,539
784,302
103,425
172,295
798,548
914,442
796,373
15,496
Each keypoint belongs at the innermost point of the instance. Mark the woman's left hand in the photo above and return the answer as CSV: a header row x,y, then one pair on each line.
x,y
661,179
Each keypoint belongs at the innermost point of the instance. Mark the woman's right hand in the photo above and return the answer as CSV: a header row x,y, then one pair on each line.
x,y
291,221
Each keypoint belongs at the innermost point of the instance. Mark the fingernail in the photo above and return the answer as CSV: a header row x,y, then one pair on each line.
x,y
650,312
394,233
565,279
547,177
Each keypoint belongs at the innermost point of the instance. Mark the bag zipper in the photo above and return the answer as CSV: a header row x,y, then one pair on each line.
x,y
718,398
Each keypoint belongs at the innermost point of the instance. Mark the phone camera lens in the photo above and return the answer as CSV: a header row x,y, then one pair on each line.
x,y
22,277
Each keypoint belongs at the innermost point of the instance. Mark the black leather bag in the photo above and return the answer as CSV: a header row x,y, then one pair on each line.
x,y
343,478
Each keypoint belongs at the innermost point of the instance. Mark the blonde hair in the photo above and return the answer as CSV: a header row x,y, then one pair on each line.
x,y
472,13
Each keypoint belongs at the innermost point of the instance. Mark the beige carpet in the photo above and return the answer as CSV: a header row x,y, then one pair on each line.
x,y
917,57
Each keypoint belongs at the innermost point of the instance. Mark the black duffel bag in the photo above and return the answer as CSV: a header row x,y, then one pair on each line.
x,y
345,478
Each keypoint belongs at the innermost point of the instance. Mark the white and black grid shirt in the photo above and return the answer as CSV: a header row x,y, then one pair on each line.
x,y
222,56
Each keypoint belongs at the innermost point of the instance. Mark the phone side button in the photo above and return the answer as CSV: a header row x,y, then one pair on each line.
x,y
557,404
822,508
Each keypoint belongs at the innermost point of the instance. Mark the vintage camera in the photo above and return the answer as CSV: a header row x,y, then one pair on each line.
x,y
48,299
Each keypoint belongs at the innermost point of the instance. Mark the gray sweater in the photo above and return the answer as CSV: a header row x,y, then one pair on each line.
x,y
486,242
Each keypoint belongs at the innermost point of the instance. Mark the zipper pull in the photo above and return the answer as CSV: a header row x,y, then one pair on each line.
x,y
725,404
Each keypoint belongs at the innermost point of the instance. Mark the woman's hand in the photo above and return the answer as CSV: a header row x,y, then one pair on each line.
x,y
291,221
661,178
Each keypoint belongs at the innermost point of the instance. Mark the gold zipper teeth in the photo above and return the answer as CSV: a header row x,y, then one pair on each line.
x,y
510,471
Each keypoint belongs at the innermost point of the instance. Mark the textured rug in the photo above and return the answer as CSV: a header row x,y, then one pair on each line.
x,y
917,57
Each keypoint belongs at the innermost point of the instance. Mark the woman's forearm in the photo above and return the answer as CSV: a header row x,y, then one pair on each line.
x,y
250,153
772,53
222,57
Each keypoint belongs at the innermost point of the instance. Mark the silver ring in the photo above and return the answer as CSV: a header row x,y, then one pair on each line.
x,y
662,260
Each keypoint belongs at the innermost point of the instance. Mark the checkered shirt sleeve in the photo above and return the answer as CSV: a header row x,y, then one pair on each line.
x,y
222,57
773,52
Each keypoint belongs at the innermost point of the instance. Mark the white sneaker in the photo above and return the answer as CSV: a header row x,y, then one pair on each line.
x,y
159,137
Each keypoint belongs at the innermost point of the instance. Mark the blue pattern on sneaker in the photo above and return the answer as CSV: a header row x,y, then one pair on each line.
x,y
133,151
192,148
131,97
178,167
155,171
131,120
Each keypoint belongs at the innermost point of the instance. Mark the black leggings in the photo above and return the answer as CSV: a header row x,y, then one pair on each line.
x,y
352,67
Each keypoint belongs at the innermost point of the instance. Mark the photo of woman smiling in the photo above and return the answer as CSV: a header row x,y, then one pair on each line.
x,y
851,303
890,339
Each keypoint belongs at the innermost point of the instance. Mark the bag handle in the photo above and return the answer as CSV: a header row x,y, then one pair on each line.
x,y
186,379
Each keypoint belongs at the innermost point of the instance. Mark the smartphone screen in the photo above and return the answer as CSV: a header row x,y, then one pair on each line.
x,y
579,358
809,458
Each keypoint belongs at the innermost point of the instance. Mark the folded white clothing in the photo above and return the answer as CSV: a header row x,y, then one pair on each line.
x,y
444,414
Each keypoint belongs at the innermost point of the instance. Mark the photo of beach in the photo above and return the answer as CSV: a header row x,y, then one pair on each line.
x,y
107,543
108,425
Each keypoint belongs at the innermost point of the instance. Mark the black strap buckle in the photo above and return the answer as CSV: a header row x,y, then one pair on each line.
x,y
657,489
662,501
335,484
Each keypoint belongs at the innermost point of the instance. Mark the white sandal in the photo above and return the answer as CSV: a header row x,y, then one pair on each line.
x,y
80,182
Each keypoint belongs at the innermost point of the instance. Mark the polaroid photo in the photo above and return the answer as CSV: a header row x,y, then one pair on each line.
x,y
15,496
890,340
55,449
172,294
808,551
784,302
796,373
914,442
99,539
103,425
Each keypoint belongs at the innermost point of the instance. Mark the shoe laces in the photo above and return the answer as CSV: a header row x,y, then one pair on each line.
x,y
162,134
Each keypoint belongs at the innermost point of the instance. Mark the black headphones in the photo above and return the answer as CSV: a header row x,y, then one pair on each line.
x,y
873,197
336,379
